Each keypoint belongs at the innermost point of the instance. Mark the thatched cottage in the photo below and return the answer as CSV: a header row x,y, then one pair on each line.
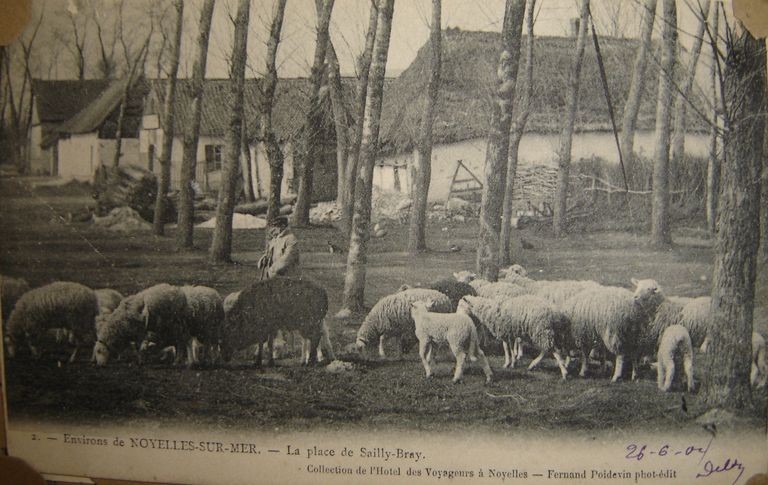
x,y
466,85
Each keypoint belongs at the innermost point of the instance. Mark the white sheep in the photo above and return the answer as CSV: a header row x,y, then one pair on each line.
x,y
501,290
464,276
108,299
64,305
695,318
391,317
205,316
456,329
525,317
557,292
513,269
230,300
615,316
667,314
759,373
675,342
157,314
519,280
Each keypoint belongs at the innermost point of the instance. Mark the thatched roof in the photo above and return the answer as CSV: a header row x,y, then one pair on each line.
x,y
288,113
468,80
100,113
57,101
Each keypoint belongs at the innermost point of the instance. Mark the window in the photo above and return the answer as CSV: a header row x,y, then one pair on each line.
x,y
212,157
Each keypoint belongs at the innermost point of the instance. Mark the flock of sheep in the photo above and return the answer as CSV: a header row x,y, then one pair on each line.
x,y
557,317
195,324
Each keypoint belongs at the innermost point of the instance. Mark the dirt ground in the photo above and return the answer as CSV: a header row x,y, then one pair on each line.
x,y
39,244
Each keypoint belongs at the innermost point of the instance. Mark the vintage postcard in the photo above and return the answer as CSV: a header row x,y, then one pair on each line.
x,y
270,241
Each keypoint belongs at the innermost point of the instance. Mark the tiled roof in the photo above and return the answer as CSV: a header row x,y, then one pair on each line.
x,y
58,101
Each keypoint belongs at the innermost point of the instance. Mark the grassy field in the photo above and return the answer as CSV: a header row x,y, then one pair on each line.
x,y
40,245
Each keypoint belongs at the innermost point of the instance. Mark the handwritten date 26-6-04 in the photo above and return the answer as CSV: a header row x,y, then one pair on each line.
x,y
639,452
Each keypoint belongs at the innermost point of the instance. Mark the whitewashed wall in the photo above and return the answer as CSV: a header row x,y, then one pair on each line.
x,y
79,155
535,149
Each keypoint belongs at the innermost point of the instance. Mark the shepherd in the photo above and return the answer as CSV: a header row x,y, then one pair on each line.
x,y
281,257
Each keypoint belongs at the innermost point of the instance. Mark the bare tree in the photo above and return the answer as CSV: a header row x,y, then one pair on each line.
x,y
497,151
660,220
361,91
677,150
312,142
632,106
560,219
79,22
166,153
357,258
107,64
192,135
733,287
422,164
523,109
341,120
221,246
266,131
17,98
713,163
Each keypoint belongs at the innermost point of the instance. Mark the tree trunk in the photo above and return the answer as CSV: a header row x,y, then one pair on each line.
x,y
164,181
221,246
515,136
361,91
660,224
632,107
677,150
192,136
713,164
313,126
560,220
422,165
354,282
340,121
246,164
489,238
733,286
266,132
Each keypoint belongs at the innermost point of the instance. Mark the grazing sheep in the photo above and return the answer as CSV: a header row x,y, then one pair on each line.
x,y
453,289
759,374
154,315
514,269
11,289
391,317
519,280
667,314
64,305
290,304
205,315
557,292
616,316
501,290
478,283
108,299
456,329
695,318
526,317
674,343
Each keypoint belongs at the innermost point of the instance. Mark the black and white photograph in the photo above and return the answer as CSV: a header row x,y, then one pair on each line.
x,y
385,241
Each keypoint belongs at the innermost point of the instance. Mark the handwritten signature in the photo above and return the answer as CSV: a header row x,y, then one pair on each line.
x,y
638,452
728,465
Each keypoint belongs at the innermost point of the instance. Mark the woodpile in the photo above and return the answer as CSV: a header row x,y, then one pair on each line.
x,y
129,186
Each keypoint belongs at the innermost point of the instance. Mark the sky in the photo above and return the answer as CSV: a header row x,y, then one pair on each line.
x,y
53,50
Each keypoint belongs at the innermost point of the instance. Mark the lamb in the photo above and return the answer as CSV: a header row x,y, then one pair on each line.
x,y
290,304
616,316
759,373
61,305
526,317
457,329
156,314
108,299
675,342
391,317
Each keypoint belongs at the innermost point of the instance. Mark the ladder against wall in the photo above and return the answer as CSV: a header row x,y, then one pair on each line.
x,y
464,183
